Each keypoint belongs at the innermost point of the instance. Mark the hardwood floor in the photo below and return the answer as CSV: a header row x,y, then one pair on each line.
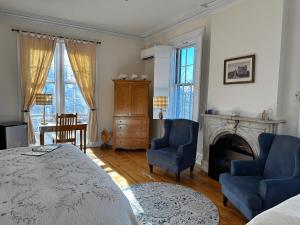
x,y
130,167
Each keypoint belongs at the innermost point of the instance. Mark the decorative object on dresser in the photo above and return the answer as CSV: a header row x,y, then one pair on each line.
x,y
13,134
239,70
43,99
161,103
134,77
122,76
131,114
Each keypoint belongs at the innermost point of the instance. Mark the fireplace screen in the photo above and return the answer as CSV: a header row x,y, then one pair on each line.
x,y
228,147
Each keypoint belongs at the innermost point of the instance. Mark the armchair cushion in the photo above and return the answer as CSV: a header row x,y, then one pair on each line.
x,y
281,159
242,190
159,143
180,133
167,158
247,167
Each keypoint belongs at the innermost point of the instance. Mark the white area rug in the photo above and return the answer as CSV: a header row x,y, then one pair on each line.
x,y
169,204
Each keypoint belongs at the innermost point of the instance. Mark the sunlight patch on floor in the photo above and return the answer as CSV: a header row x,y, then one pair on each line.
x,y
117,178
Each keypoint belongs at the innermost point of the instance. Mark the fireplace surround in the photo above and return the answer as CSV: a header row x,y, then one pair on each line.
x,y
221,129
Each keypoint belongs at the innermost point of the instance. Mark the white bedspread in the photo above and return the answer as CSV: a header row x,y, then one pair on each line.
x,y
63,187
286,213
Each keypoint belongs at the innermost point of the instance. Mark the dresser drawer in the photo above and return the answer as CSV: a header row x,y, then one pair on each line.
x,y
123,121
131,134
130,143
131,127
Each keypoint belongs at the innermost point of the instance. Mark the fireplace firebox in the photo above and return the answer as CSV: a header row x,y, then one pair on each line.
x,y
228,147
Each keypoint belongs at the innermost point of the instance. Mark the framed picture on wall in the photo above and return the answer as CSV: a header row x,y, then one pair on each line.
x,y
239,70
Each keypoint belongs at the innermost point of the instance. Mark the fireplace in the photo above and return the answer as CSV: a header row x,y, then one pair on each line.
x,y
230,133
226,148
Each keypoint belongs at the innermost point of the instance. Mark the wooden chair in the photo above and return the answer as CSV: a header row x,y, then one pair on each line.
x,y
68,136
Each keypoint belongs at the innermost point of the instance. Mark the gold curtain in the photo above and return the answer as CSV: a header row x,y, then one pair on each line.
x,y
82,57
36,54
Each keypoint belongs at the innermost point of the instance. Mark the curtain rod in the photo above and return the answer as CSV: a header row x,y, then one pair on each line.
x,y
62,37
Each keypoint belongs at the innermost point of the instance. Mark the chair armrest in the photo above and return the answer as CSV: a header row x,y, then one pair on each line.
x,y
275,191
247,167
159,143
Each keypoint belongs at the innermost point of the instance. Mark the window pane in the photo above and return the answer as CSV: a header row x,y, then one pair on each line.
x,y
182,75
184,104
190,74
183,56
190,55
51,73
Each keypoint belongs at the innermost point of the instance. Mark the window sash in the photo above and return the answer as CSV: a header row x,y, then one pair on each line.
x,y
180,107
179,66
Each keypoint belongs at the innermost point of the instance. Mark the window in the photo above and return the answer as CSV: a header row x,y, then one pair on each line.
x,y
184,82
67,97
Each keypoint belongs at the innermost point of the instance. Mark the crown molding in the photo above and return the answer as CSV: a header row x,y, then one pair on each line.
x,y
64,23
202,11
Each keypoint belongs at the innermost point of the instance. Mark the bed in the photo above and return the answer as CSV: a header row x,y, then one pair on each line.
x,y
286,213
63,187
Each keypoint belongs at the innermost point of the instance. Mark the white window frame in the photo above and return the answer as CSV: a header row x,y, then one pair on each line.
x,y
177,78
190,38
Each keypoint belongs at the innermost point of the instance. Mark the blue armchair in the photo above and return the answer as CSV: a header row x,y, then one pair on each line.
x,y
177,149
255,186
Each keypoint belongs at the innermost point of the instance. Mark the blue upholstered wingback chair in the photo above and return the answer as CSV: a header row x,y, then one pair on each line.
x,y
177,150
255,186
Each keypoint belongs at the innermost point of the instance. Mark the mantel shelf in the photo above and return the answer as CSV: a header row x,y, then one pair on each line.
x,y
240,118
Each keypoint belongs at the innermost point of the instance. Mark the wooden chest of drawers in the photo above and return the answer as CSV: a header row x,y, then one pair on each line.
x,y
131,114
131,133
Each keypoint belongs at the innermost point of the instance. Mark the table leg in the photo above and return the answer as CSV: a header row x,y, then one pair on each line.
x,y
81,139
84,140
42,138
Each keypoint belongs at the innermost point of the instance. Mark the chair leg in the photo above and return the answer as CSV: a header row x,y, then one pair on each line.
x,y
151,168
178,176
225,199
192,168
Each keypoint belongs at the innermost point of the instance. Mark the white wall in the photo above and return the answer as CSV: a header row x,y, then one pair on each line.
x,y
115,55
289,82
250,27
247,27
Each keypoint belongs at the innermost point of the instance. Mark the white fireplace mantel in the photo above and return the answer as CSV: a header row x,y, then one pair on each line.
x,y
248,128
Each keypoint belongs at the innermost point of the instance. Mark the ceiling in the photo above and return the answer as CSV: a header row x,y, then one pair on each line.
x,y
139,18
